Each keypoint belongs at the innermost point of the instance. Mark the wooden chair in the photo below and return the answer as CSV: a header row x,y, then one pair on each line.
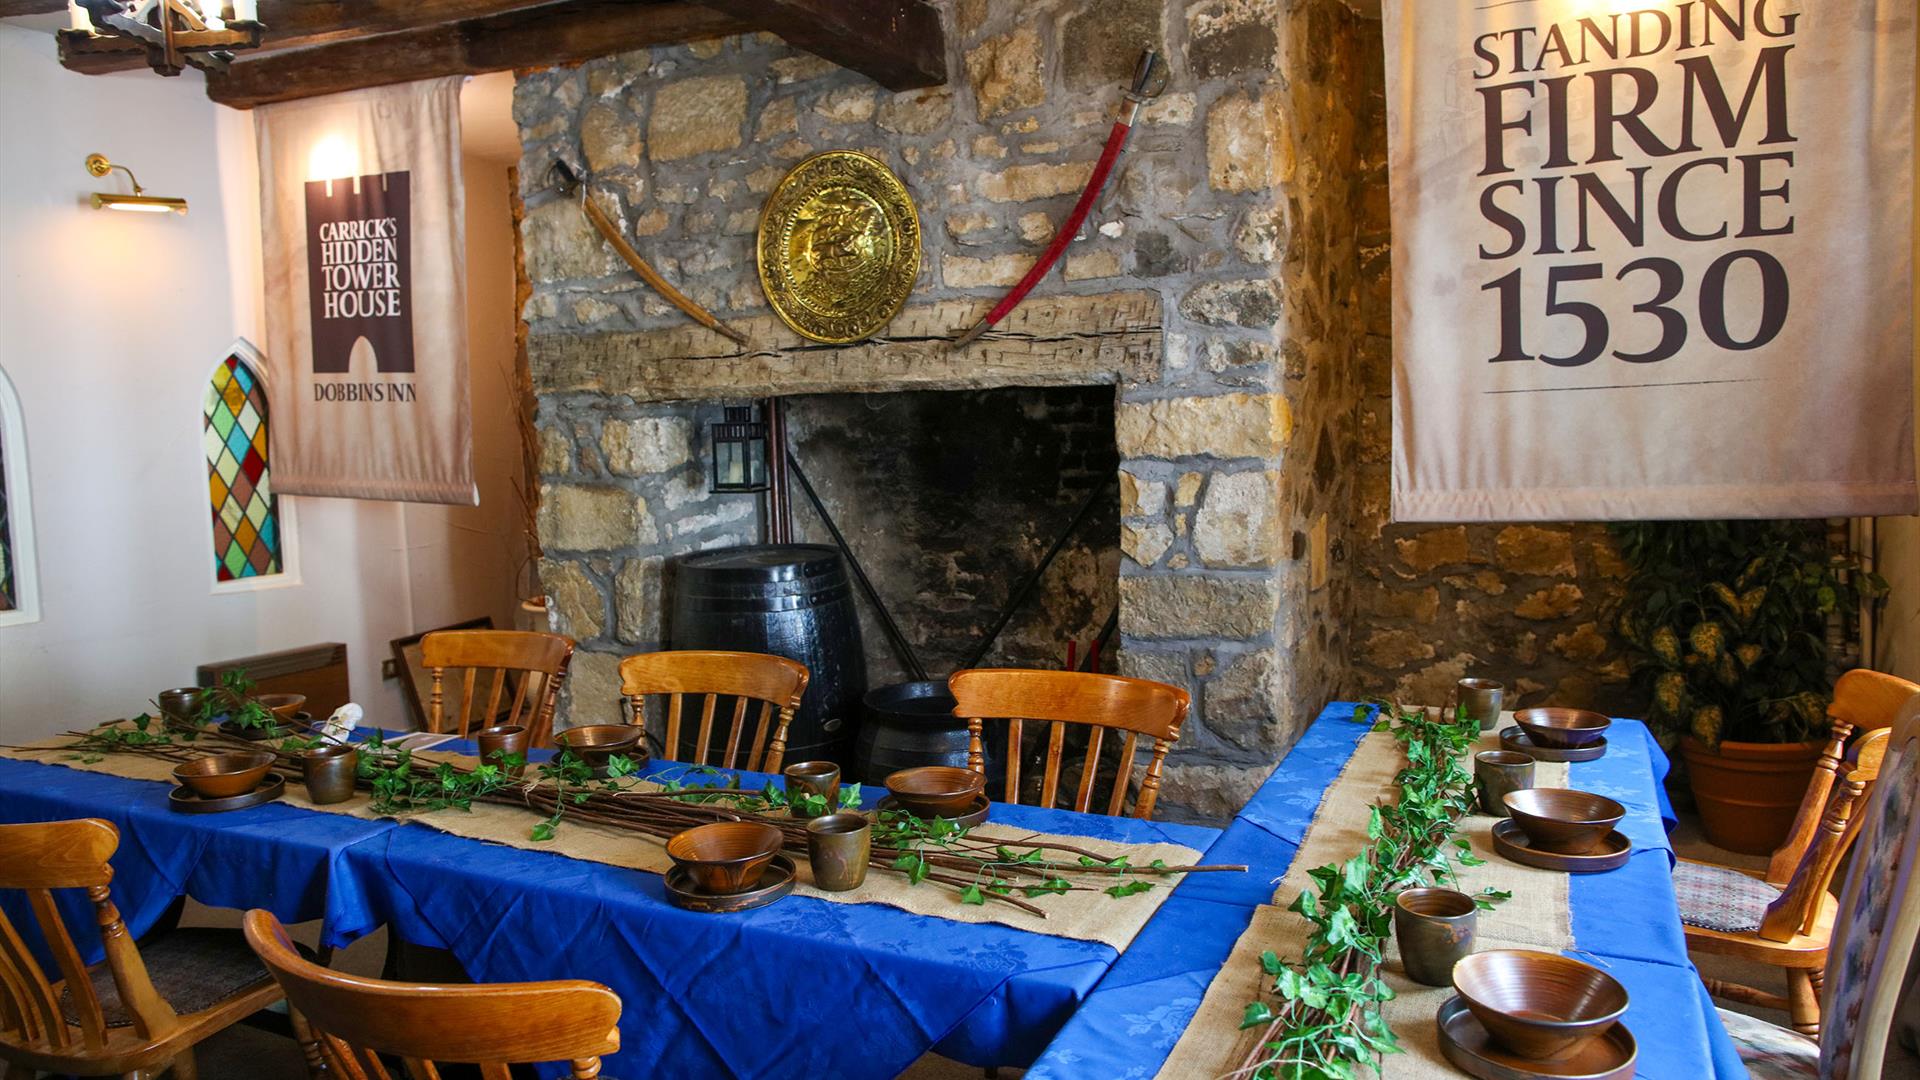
x,y
116,1018
533,664
1731,912
493,1026
1099,702
774,681
1875,936
1863,701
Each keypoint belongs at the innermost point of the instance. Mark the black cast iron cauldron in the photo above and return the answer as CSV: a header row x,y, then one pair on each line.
x,y
911,724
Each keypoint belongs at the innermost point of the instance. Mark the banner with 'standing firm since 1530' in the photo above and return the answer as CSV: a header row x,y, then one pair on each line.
x,y
1652,260
363,213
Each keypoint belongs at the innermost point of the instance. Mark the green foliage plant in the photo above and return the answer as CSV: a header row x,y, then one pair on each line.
x,y
1320,1016
1726,623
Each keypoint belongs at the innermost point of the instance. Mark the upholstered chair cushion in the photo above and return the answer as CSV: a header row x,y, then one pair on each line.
x,y
193,969
1769,1051
1721,898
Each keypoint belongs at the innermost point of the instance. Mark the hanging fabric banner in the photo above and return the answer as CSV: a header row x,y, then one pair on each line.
x,y
363,212
1651,259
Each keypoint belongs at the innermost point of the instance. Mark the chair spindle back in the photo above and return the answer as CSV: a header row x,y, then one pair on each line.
x,y
1863,700
1058,698
38,859
1799,903
531,664
491,1026
774,682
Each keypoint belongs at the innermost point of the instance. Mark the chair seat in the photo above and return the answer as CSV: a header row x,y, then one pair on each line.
x,y
1769,1051
193,969
1721,898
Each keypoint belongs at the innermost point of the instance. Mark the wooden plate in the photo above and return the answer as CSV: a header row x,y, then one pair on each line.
x,y
1465,1042
184,800
1512,738
976,811
1511,841
775,882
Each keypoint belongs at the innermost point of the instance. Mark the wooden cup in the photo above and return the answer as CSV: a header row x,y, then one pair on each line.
x,y
329,772
503,739
838,848
1496,772
820,778
1435,928
1482,699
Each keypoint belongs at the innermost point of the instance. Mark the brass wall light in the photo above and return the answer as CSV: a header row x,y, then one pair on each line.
x,y
98,165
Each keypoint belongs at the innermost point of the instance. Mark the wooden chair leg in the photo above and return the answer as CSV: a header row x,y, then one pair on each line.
x,y
309,1045
183,1067
1803,1002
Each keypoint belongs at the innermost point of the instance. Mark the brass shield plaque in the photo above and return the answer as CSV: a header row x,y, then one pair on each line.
x,y
839,247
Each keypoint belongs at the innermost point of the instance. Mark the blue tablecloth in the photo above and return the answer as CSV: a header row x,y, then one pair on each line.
x,y
275,856
803,987
1626,920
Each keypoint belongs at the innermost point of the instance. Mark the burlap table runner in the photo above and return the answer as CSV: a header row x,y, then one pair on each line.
x,y
1537,917
1086,916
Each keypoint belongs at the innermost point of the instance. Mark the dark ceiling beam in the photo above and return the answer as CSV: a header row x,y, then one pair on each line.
x,y
316,47
899,44
537,35
293,24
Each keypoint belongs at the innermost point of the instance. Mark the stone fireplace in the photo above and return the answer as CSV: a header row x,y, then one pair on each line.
x,y
1210,306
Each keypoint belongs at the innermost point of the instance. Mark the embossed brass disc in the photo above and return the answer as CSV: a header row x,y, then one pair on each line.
x,y
839,247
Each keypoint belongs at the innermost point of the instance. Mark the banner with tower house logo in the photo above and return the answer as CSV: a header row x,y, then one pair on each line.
x,y
363,210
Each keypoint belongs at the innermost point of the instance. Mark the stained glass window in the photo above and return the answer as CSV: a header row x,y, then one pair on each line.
x,y
7,585
246,519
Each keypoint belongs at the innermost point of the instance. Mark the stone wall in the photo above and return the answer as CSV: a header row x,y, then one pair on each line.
x,y
1236,207
1523,604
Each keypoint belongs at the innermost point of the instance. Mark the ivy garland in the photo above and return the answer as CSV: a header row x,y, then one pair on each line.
x,y
1324,1019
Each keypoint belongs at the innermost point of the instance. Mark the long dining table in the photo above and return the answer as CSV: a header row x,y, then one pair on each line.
x,y
1625,920
802,987
809,987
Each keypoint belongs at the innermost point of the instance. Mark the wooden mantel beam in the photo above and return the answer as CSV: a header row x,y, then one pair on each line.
x,y
536,35
316,47
899,44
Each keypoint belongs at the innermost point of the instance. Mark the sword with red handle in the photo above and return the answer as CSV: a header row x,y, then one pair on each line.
x,y
1136,95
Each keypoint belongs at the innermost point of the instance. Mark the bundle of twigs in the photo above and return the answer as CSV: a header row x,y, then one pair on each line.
x,y
956,860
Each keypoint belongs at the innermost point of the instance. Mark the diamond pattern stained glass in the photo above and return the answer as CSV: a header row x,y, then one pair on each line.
x,y
6,541
246,533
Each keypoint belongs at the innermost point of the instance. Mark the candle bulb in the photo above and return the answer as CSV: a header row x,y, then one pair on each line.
x,y
77,18
246,10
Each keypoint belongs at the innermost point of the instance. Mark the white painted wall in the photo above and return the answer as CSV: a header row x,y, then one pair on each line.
x,y
109,324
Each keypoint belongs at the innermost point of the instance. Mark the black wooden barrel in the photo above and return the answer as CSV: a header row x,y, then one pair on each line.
x,y
790,600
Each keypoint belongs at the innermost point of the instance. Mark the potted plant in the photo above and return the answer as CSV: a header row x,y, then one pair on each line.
x,y
1727,623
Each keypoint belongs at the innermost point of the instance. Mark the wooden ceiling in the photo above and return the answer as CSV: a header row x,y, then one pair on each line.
x,y
314,47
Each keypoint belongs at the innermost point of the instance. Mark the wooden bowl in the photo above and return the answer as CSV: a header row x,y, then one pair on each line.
x,y
1539,1005
596,743
221,776
726,856
1562,820
935,790
1562,729
281,705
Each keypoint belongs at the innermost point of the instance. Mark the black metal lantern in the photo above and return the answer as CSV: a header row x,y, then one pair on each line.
x,y
739,451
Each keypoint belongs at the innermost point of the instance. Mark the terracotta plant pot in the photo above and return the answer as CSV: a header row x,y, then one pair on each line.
x,y
1749,792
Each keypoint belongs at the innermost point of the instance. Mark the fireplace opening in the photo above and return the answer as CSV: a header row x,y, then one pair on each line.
x,y
948,499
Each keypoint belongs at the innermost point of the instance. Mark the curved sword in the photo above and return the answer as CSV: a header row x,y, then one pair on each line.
x,y
568,182
1136,95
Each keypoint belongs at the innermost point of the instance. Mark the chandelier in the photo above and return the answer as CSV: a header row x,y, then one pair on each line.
x,y
172,33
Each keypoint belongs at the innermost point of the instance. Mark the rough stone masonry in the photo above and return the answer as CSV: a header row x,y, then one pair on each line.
x,y
1248,208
